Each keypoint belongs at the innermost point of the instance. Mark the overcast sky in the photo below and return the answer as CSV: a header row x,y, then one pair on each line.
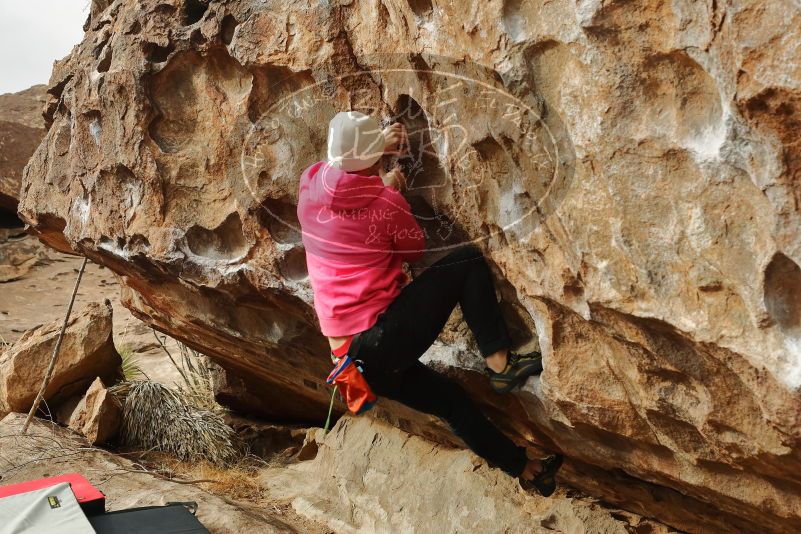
x,y
33,34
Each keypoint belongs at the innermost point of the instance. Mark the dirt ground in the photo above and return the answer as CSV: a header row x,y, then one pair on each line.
x,y
40,292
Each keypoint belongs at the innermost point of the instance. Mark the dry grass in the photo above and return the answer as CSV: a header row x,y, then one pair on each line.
x,y
196,375
198,386
238,481
49,447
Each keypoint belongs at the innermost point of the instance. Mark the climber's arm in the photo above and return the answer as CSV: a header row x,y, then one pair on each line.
x,y
407,237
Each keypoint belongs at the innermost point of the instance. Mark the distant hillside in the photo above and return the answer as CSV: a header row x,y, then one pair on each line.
x,y
21,130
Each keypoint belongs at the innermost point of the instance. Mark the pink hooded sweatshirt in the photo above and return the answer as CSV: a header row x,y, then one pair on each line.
x,y
357,233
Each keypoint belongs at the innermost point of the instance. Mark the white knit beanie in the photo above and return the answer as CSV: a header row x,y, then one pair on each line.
x,y
355,141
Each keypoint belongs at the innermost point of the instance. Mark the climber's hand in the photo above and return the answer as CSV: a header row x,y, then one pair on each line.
x,y
394,178
396,138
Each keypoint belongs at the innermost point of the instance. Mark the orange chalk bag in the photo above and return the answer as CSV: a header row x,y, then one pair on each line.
x,y
347,378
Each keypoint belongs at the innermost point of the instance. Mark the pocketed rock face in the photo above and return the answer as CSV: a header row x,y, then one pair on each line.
x,y
21,131
646,219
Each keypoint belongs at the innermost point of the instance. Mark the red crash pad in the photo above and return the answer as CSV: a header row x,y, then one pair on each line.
x,y
90,498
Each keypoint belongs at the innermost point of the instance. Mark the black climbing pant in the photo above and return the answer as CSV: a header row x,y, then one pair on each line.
x,y
391,350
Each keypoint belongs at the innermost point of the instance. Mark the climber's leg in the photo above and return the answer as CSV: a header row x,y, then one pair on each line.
x,y
417,316
405,331
426,390
463,275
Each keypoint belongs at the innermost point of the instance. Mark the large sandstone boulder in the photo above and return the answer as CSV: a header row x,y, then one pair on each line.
x,y
87,352
394,482
629,168
21,131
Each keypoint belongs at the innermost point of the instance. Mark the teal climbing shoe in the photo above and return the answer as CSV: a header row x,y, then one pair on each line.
x,y
545,481
518,368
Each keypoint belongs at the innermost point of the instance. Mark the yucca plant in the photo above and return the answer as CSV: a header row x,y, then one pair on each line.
x,y
197,375
157,418
185,420
130,364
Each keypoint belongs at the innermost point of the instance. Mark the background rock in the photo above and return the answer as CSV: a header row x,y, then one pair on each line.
x,y
21,130
18,253
659,261
266,440
98,415
51,280
246,394
87,352
311,444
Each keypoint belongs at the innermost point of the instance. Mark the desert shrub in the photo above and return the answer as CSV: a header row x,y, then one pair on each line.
x,y
130,364
158,418
185,420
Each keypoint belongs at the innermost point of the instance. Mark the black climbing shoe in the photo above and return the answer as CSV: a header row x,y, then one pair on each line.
x,y
518,368
545,481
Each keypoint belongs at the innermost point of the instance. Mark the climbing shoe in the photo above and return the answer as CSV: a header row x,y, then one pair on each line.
x,y
518,368
545,481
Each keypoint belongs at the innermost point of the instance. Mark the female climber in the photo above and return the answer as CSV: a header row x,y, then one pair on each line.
x,y
358,230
